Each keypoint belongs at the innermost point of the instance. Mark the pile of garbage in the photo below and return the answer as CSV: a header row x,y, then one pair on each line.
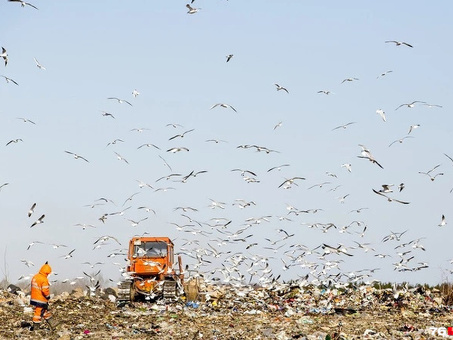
x,y
279,311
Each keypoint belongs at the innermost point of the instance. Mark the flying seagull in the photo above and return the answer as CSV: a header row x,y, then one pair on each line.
x,y
343,126
383,74
349,79
32,209
4,55
25,120
17,140
443,222
399,43
76,156
135,93
281,88
23,3
192,10
121,101
224,106
180,135
38,65
413,127
388,198
38,221
174,150
381,113
400,140
228,57
367,154
106,114
410,105
9,80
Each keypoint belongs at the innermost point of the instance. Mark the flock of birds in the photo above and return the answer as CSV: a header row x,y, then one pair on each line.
x,y
221,248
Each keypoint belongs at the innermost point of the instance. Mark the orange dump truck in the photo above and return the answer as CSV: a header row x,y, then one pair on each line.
x,y
150,273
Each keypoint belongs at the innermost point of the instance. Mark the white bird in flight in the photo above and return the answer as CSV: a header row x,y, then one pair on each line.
x,y
381,113
224,106
23,3
38,65
399,43
4,55
121,101
281,88
9,80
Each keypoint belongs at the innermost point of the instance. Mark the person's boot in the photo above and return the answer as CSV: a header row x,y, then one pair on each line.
x,y
35,326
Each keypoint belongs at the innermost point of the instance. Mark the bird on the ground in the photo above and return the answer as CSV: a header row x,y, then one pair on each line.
x,y
399,43
17,140
23,3
410,105
224,106
121,101
281,88
38,221
38,65
9,80
228,57
31,210
76,156
4,55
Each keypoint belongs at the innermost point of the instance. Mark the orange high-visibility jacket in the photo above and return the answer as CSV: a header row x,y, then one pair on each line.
x,y
40,292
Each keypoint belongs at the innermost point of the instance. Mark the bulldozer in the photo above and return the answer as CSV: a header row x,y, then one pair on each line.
x,y
150,271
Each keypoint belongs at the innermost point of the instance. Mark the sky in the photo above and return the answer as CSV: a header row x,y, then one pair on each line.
x,y
251,218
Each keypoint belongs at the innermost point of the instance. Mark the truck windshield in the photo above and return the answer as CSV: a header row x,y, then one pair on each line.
x,y
150,249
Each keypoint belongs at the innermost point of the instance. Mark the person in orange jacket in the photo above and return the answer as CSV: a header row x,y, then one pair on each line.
x,y
40,295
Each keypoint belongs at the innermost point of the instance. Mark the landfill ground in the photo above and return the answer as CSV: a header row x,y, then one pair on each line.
x,y
279,312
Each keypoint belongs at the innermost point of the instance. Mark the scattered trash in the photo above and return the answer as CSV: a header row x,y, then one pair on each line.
x,y
281,311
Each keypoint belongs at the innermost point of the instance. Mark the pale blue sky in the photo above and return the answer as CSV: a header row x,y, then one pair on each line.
x,y
92,51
